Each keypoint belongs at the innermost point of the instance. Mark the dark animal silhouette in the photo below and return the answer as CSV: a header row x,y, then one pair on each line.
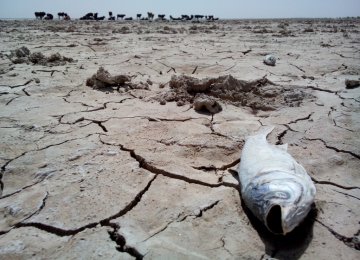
x,y
121,16
175,18
211,18
88,16
40,15
185,17
144,19
49,17
61,15
161,16
150,15
93,16
97,18
66,17
138,16
198,16
128,19
111,17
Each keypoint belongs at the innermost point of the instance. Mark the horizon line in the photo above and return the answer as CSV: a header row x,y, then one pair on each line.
x,y
233,18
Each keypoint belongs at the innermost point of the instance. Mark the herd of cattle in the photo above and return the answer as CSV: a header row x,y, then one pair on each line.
x,y
150,16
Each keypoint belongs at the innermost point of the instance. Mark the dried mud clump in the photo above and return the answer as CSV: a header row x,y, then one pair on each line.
x,y
103,79
207,104
352,83
260,94
22,52
23,55
308,30
262,30
284,33
167,30
122,30
19,55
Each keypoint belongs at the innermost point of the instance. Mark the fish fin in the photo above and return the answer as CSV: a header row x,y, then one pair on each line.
x,y
283,147
299,169
265,131
262,133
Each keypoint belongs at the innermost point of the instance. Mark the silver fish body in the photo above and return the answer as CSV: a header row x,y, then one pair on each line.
x,y
274,186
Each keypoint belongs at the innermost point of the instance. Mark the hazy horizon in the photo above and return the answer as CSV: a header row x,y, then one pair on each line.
x,y
226,9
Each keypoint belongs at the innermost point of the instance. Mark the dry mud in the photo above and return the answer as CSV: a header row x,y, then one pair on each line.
x,y
122,172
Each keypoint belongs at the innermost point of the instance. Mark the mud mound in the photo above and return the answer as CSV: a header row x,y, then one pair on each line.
x,y
260,94
23,55
103,79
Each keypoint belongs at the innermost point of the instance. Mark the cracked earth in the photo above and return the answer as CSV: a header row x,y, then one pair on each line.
x,y
114,174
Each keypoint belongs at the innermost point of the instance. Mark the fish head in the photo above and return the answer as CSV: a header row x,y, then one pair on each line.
x,y
282,219
281,203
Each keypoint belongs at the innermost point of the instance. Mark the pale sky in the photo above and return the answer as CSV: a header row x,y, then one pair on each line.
x,y
219,8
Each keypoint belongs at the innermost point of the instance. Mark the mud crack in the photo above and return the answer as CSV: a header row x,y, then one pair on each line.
x,y
121,242
104,105
3,167
316,88
20,85
201,211
170,67
351,242
23,188
157,171
301,119
213,168
26,92
70,232
347,195
297,67
223,245
280,136
11,100
181,218
28,217
334,148
213,132
334,184
40,208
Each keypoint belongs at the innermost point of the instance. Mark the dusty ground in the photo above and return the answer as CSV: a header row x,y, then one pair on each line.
x,y
113,174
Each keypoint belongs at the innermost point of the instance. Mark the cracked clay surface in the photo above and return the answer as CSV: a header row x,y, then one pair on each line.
x,y
112,173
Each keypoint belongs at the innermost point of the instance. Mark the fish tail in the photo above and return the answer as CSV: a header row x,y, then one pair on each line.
x,y
266,130
263,132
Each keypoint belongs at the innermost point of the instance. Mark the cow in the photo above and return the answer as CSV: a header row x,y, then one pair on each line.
x,y
40,15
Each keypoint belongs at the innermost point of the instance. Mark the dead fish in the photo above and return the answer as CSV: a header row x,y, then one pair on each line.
x,y
276,188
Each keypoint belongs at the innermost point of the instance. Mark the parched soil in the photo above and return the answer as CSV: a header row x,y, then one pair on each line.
x,y
121,140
